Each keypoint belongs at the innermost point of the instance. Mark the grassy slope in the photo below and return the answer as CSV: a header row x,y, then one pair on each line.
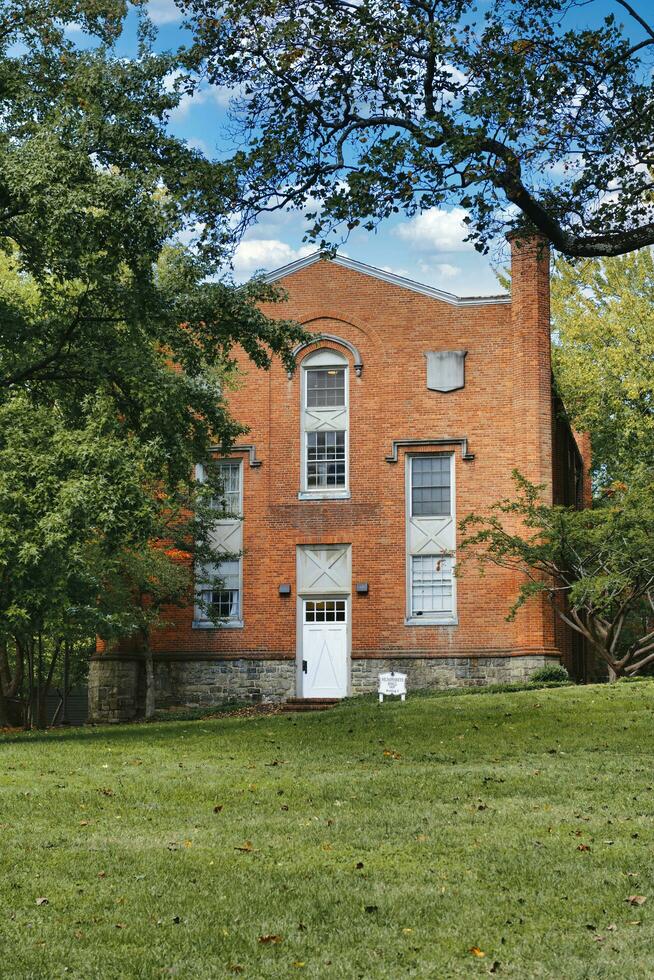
x,y
469,838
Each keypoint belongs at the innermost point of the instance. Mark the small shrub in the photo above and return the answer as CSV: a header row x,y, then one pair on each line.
x,y
549,673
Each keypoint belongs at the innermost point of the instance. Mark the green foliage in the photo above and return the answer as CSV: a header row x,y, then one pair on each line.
x,y
551,673
597,564
474,836
603,356
116,345
374,108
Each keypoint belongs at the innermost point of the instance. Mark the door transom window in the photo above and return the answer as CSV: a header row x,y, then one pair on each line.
x,y
325,610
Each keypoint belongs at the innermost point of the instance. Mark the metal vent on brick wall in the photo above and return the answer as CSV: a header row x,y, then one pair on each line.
x,y
445,369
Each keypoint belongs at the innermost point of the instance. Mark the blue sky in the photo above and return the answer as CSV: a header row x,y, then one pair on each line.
x,y
429,247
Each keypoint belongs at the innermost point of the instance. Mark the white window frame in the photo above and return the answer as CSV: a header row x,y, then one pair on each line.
x,y
200,620
238,465
449,618
323,359
433,616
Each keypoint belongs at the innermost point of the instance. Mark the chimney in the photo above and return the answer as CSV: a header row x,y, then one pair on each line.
x,y
530,320
532,401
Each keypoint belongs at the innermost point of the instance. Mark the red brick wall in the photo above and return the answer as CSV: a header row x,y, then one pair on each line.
x,y
504,410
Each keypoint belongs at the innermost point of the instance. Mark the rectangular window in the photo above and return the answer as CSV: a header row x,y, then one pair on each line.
x,y
223,602
430,486
325,388
431,586
325,459
229,500
324,611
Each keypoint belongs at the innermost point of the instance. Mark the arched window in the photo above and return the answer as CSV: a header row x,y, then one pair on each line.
x,y
324,419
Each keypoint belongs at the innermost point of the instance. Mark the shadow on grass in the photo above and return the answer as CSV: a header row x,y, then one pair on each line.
x,y
161,729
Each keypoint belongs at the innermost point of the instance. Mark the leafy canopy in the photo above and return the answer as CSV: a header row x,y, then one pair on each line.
x,y
116,346
370,107
603,355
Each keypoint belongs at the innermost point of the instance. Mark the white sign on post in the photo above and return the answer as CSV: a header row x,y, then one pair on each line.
x,y
392,683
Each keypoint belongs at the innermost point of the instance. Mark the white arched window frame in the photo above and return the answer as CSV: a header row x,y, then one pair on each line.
x,y
325,436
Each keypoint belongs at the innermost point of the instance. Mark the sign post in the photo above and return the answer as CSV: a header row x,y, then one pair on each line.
x,y
392,683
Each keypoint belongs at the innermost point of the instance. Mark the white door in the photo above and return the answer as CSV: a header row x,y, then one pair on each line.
x,y
324,648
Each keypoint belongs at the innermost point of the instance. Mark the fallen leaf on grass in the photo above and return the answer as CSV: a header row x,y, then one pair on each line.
x,y
218,808
359,865
583,847
298,964
247,847
407,932
476,951
494,967
235,968
270,940
636,899
188,843
121,925
102,874
42,901
390,754
371,908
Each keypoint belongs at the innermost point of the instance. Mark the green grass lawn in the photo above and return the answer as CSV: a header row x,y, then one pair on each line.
x,y
368,841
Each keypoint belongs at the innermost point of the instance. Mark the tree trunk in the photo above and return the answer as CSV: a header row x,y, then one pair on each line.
x,y
29,713
613,674
40,699
64,696
149,685
4,715
12,685
44,686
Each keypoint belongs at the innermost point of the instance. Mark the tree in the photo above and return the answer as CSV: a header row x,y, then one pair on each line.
x,y
90,541
115,343
544,107
596,565
603,356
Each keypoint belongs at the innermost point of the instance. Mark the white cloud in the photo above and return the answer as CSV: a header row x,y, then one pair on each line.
x,y
396,271
437,230
191,234
447,271
255,254
201,145
164,12
217,95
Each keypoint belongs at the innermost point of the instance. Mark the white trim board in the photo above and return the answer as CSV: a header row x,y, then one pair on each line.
x,y
390,277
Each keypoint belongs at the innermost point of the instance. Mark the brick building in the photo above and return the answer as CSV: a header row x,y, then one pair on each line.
x,y
409,410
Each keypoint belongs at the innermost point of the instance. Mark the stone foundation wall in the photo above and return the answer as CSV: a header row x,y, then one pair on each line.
x,y
116,685
116,689
423,672
197,682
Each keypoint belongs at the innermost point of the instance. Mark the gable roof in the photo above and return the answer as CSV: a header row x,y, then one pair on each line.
x,y
394,280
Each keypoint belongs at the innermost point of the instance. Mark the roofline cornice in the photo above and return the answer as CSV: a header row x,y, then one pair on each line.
x,y
390,277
